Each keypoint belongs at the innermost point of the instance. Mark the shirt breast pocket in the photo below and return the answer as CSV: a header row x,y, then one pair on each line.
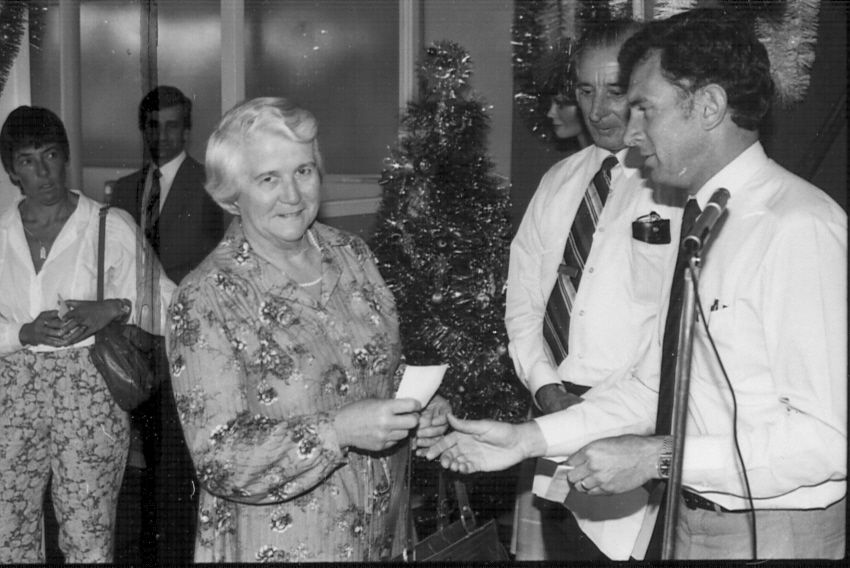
x,y
648,270
720,317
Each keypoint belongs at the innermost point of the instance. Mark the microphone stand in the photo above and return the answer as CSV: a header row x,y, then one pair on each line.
x,y
680,404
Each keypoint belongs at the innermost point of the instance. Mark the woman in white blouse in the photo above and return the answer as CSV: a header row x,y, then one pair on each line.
x,y
57,418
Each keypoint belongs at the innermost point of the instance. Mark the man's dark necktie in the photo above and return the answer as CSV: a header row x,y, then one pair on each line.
x,y
670,344
151,211
669,355
556,323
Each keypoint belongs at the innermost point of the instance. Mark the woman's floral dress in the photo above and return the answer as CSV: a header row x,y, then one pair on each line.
x,y
259,369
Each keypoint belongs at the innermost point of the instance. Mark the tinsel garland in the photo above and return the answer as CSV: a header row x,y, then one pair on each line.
x,y
12,27
790,42
543,36
665,8
544,32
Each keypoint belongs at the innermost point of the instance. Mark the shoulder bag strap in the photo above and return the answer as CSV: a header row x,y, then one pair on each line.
x,y
442,500
409,552
101,245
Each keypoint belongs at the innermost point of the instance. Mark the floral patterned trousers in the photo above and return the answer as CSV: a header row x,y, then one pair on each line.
x,y
57,418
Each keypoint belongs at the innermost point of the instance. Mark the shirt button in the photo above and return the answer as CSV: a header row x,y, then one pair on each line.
x,y
581,312
601,229
590,270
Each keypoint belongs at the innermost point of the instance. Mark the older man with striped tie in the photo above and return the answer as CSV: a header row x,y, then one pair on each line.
x,y
590,266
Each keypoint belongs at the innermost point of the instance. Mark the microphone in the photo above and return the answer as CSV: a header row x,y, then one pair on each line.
x,y
698,234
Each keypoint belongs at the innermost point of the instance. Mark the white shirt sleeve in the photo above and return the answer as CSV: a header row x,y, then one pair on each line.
x,y
535,253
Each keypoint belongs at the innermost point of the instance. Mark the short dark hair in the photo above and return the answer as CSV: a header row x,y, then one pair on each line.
x,y
162,97
704,46
35,127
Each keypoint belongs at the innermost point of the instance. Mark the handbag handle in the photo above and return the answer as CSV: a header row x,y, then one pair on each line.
x,y
467,515
442,501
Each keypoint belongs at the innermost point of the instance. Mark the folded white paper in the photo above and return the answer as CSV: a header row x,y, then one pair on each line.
x,y
62,306
550,479
421,382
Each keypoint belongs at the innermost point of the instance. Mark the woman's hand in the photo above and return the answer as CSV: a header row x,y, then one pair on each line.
x,y
376,424
49,329
93,316
433,422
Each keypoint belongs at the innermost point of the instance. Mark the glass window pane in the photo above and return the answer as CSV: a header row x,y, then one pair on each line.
x,y
111,83
109,64
44,54
188,57
337,58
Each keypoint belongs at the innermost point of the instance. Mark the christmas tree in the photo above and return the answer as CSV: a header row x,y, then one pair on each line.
x,y
442,239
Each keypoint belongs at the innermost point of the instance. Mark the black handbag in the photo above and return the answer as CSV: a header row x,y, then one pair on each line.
x,y
463,540
125,355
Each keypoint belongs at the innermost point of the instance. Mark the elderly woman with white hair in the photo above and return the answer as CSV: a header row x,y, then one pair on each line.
x,y
283,345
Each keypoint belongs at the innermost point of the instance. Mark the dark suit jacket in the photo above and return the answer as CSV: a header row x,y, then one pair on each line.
x,y
191,223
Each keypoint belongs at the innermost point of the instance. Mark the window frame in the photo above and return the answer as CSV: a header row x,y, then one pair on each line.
x,y
343,194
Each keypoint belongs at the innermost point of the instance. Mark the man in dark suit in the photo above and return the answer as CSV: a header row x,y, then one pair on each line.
x,y
183,224
189,224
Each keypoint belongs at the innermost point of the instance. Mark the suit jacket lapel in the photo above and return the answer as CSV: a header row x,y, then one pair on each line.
x,y
174,198
140,190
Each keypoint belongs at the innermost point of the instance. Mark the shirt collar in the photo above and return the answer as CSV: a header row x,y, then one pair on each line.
x,y
735,174
599,155
242,259
169,169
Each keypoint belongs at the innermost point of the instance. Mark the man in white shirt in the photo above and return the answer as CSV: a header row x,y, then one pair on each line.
x,y
773,288
615,307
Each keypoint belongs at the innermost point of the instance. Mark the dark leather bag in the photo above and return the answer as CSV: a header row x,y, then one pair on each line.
x,y
463,540
125,355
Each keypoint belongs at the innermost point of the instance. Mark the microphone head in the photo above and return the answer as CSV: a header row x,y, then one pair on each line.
x,y
696,237
720,197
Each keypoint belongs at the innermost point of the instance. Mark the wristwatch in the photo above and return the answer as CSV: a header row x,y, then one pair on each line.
x,y
665,458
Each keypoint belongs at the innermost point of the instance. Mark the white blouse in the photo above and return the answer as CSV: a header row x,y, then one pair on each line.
x,y
70,271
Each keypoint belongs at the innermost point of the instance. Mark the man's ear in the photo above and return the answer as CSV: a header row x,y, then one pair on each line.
x,y
15,179
714,105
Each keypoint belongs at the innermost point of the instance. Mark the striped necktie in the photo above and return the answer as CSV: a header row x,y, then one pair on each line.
x,y
152,209
556,323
